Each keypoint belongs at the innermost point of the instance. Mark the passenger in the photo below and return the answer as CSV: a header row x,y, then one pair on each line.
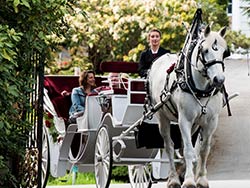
x,y
86,86
114,79
153,52
118,80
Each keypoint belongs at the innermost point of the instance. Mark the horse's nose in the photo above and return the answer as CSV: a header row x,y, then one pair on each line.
x,y
219,80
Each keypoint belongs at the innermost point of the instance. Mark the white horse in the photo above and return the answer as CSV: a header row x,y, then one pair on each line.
x,y
198,102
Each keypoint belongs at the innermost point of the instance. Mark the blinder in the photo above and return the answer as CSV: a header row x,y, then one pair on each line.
x,y
227,53
207,64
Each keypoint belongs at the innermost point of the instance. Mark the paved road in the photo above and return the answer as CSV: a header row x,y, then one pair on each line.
x,y
230,155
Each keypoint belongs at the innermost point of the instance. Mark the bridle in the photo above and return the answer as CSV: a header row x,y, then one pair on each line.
x,y
206,64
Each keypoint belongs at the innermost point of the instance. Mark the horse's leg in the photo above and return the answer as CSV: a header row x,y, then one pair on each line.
x,y
207,134
188,151
164,125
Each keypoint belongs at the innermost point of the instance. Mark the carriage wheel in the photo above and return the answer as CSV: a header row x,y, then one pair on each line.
x,y
103,158
139,176
45,159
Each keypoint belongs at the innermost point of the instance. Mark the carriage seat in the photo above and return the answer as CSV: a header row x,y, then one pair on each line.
x,y
55,85
119,66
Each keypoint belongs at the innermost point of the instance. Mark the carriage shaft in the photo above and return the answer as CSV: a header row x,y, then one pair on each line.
x,y
147,115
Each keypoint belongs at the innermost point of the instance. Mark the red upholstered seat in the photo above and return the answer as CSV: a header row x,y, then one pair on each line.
x,y
119,66
56,84
138,92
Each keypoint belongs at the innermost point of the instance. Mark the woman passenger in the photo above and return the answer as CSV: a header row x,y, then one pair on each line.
x,y
78,95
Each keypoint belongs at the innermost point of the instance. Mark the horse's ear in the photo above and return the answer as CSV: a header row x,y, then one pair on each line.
x,y
222,31
207,30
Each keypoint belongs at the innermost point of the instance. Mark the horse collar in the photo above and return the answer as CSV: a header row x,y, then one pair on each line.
x,y
188,86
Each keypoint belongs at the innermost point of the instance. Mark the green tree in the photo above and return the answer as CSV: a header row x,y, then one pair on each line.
x,y
26,27
238,40
117,29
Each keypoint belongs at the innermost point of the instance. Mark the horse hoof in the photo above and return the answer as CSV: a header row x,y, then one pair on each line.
x,y
176,185
202,186
188,186
202,182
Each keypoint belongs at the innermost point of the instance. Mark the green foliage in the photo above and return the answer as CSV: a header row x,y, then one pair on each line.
x,y
214,11
9,113
237,40
120,173
246,9
81,178
27,27
117,29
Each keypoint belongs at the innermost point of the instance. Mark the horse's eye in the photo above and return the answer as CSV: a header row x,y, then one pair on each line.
x,y
205,51
214,46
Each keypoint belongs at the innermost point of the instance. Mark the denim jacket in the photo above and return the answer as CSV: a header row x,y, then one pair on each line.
x,y
78,101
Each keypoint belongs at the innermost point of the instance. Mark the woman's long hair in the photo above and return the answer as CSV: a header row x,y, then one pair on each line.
x,y
84,77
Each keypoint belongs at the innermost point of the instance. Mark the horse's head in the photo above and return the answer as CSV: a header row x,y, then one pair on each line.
x,y
210,52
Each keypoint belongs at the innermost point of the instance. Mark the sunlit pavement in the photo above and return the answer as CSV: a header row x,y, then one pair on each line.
x,y
212,184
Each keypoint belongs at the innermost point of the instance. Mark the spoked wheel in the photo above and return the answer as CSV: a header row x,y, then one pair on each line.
x,y
103,158
139,176
45,159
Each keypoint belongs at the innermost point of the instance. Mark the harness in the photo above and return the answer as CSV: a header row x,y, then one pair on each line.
x,y
185,78
165,94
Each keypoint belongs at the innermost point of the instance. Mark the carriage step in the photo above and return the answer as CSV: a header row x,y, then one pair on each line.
x,y
147,160
64,149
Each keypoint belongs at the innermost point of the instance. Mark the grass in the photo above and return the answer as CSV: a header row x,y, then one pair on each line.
x,y
82,178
